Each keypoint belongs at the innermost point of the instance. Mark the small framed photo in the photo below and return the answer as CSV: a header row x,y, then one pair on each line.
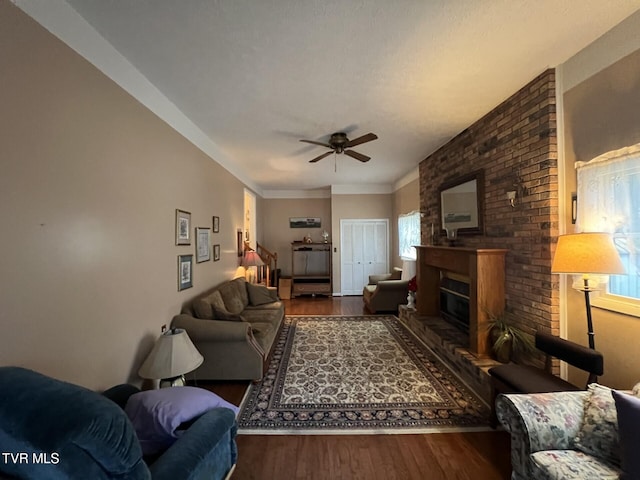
x,y
203,244
216,224
185,272
216,252
183,227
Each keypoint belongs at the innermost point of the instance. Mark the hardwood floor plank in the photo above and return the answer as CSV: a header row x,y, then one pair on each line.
x,y
438,456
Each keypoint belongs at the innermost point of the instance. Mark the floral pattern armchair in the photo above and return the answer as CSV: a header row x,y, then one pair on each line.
x,y
543,428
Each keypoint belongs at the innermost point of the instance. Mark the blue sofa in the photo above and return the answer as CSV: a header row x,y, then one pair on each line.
x,y
56,430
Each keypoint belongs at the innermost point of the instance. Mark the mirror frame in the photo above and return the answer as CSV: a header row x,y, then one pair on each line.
x,y
478,176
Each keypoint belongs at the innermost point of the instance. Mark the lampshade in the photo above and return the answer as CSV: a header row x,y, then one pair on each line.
x,y
587,253
173,355
251,259
408,269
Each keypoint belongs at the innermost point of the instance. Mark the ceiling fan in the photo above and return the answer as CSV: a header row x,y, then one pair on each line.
x,y
338,142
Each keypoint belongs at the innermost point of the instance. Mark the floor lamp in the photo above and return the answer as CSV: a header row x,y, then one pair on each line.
x,y
587,254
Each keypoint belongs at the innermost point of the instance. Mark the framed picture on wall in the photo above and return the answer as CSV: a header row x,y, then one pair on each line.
x,y
203,244
216,252
305,222
183,227
240,243
185,272
216,224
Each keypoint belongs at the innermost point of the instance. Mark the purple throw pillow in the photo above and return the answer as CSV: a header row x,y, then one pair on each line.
x,y
628,408
157,414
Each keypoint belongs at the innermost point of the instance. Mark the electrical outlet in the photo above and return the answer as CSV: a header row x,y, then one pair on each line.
x,y
163,328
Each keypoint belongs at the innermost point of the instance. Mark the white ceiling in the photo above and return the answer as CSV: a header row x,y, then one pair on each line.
x,y
255,76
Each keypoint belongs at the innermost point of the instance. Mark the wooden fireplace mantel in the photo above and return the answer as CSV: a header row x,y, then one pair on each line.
x,y
485,271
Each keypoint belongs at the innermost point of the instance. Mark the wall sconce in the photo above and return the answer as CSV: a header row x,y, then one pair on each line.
x,y
511,196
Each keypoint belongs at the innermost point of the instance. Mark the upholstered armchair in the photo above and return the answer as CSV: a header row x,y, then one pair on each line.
x,y
385,292
551,437
57,430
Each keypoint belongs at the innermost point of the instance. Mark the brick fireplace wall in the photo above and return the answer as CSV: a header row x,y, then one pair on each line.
x,y
516,146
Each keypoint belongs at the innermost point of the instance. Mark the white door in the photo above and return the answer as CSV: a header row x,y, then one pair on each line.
x,y
365,251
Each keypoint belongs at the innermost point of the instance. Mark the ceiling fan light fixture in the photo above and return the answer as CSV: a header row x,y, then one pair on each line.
x,y
339,141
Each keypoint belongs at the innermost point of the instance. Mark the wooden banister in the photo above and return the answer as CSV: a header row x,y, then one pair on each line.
x,y
270,260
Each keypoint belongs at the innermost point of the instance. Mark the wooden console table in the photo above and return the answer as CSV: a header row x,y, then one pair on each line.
x,y
485,271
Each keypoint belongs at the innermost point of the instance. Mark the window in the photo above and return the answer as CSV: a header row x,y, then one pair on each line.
x,y
609,201
408,234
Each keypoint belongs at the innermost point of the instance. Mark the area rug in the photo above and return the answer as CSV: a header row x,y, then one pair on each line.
x,y
356,375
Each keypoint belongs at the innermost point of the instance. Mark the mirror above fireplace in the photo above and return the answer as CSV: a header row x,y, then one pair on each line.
x,y
461,204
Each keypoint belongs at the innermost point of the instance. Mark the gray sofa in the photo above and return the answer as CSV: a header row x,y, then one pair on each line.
x,y
233,326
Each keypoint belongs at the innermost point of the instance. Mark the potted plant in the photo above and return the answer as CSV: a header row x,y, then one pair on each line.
x,y
507,339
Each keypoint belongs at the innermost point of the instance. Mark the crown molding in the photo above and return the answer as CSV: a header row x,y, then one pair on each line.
x,y
315,193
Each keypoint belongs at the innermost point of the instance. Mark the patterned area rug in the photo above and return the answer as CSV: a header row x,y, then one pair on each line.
x,y
356,375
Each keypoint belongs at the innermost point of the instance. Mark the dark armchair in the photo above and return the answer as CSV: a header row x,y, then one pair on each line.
x,y
58,430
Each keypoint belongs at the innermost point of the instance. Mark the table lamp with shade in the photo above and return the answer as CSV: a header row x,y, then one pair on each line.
x,y
587,254
249,260
172,356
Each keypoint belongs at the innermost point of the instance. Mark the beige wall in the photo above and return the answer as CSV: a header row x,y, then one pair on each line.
x,y
89,186
406,199
353,207
276,233
601,114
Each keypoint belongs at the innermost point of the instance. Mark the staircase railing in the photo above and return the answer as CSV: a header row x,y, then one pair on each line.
x,y
270,267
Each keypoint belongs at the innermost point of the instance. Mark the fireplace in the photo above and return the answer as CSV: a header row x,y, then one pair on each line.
x,y
454,301
477,274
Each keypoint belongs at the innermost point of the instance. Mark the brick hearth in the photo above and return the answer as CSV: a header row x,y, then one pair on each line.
x,y
449,344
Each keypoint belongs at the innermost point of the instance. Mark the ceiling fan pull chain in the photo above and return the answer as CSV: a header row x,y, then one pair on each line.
x,y
335,162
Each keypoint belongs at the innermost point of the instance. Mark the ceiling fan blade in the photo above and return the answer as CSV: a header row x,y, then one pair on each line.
x,y
363,139
321,157
317,143
357,156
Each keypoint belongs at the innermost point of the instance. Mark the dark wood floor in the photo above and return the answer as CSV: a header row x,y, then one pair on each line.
x,y
440,456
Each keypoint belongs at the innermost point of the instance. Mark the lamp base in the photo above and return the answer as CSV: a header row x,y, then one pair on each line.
x,y
178,381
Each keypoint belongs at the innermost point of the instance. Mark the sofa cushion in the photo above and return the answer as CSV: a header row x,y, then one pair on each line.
x,y
266,315
569,465
598,435
234,295
628,409
203,307
157,414
223,314
260,295
279,306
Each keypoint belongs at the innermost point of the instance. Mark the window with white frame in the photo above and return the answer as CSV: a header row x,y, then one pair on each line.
x,y
408,234
609,201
